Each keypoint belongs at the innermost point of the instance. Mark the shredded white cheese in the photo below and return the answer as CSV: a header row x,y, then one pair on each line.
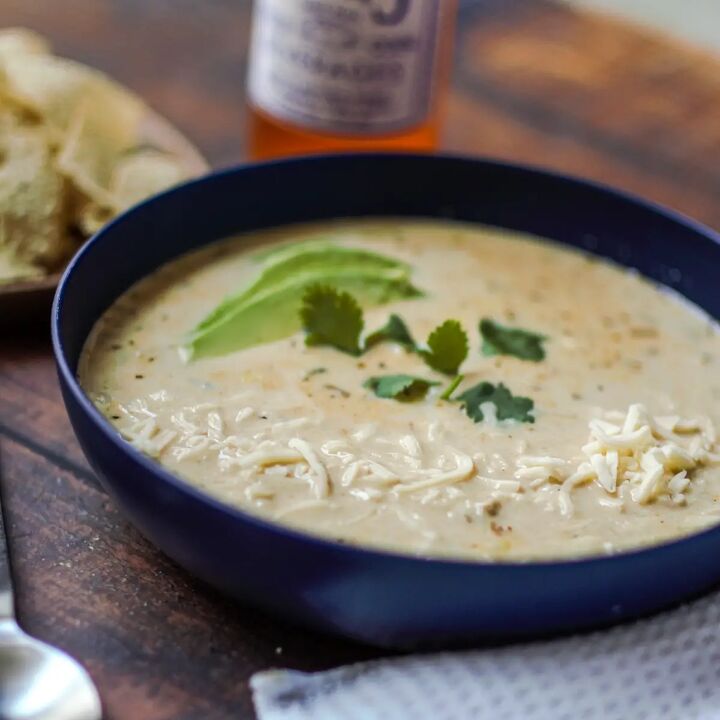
x,y
464,469
533,473
216,426
243,414
284,425
182,423
320,480
411,445
377,473
261,458
350,473
655,455
632,456
194,447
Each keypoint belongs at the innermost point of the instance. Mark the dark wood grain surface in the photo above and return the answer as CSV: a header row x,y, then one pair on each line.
x,y
533,81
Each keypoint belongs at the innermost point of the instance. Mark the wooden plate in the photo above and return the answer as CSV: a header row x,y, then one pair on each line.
x,y
27,302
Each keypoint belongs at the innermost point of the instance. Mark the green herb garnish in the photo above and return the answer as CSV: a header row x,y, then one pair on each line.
x,y
312,372
507,405
452,387
399,387
447,348
501,340
394,330
332,318
268,308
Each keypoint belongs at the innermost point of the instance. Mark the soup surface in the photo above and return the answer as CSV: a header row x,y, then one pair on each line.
x,y
621,451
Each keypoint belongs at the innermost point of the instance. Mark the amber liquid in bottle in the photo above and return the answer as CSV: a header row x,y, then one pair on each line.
x,y
348,75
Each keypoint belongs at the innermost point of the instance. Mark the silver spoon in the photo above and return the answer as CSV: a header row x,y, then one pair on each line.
x,y
37,681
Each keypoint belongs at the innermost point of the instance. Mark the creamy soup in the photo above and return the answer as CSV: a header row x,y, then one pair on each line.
x,y
620,449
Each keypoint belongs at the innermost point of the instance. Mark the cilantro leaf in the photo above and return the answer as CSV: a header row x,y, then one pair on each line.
x,y
508,406
501,340
331,318
399,387
447,348
394,330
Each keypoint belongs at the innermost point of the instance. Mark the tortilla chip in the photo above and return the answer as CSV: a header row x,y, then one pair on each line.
x,y
55,88
69,153
32,197
142,174
90,151
15,43
94,120
13,269
21,41
90,217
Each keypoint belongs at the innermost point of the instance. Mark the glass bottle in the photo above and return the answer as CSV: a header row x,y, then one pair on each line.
x,y
333,75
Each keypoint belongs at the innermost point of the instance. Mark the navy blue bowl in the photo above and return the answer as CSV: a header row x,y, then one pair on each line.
x,y
378,597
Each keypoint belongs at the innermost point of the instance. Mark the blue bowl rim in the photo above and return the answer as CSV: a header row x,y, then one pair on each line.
x,y
102,425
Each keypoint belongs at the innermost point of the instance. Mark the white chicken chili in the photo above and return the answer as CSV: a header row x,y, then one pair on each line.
x,y
428,387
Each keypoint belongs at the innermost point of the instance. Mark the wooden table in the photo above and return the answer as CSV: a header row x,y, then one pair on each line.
x,y
534,81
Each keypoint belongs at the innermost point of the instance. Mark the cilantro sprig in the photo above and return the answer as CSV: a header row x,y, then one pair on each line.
x,y
507,405
399,387
332,318
452,387
499,339
394,330
447,348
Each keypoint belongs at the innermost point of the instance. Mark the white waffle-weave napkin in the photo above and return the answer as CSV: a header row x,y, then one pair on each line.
x,y
663,668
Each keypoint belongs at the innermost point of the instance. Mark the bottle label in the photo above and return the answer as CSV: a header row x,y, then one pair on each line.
x,y
344,66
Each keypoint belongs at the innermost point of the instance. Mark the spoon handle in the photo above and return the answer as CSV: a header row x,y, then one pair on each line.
x,y
6,591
